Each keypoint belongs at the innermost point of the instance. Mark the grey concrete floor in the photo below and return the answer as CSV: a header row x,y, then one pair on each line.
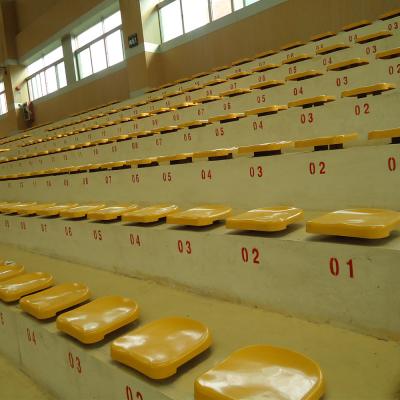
x,y
15,385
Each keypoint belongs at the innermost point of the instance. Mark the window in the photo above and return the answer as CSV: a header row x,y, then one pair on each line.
x,y
181,16
47,74
3,100
99,47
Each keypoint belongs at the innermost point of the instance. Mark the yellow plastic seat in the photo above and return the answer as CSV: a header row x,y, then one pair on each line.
x,y
266,110
265,67
267,84
81,211
292,45
269,219
322,141
303,75
385,134
55,210
10,269
264,148
33,209
150,214
312,101
356,25
262,372
226,117
347,64
389,14
200,216
47,303
319,36
366,223
296,58
388,54
216,154
13,209
369,90
159,348
373,36
111,213
91,322
21,285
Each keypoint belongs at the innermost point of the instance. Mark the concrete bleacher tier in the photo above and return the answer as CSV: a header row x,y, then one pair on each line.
x,y
268,182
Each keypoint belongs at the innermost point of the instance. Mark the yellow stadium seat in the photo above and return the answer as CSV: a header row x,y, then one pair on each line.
x,y
264,149
363,223
200,216
81,210
150,214
33,209
47,303
356,25
13,209
262,372
91,322
267,84
373,36
21,285
368,90
226,117
175,159
303,75
390,14
55,210
292,45
217,154
160,347
342,65
10,269
385,134
111,213
321,36
388,54
312,101
334,141
266,110
296,58
269,219
265,67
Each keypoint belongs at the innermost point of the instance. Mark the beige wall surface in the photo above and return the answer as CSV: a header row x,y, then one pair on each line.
x,y
292,20
94,93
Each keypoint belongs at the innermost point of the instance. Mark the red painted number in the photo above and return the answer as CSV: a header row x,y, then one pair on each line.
x,y
132,395
253,255
135,240
75,363
392,164
30,334
167,176
206,175
256,171
334,267
68,231
97,235
313,169
307,118
184,247
363,109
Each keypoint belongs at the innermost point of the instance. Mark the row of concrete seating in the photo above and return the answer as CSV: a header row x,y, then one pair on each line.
x,y
362,32
359,223
247,93
160,347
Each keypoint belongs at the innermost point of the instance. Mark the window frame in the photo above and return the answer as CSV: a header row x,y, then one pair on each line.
x,y
165,3
3,93
29,79
103,37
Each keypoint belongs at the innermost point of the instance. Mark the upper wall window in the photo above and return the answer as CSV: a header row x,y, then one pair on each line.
x,y
46,74
181,16
99,47
3,100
